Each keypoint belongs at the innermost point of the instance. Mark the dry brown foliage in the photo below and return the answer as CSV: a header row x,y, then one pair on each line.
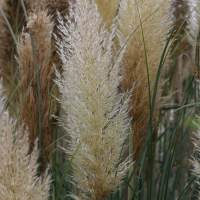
x,y
15,15
40,27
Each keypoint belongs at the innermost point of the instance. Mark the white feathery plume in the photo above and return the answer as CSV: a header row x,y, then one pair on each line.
x,y
97,116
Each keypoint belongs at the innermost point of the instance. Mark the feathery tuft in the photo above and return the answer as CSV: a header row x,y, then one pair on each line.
x,y
15,15
155,30
18,170
40,27
52,7
97,117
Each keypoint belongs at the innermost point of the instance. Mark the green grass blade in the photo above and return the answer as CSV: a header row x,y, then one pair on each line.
x,y
65,173
11,31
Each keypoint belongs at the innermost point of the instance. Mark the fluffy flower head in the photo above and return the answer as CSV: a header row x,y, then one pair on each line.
x,y
97,119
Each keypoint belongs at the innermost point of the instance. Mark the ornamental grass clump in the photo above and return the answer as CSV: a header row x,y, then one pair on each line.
x,y
141,60
18,170
97,116
40,27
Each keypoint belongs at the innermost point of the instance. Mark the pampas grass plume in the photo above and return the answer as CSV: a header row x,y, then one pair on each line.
x,y
97,117
40,27
18,170
14,13
52,7
155,30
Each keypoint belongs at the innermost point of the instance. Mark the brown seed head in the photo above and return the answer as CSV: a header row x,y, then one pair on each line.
x,y
40,28
14,13
155,32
